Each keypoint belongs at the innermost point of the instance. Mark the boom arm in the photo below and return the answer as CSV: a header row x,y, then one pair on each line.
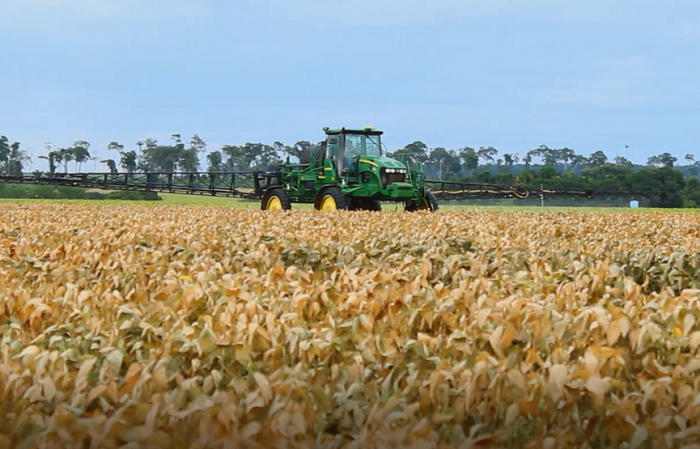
x,y
454,190
589,193
233,184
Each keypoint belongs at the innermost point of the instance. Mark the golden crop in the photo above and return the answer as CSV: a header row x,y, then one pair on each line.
x,y
127,326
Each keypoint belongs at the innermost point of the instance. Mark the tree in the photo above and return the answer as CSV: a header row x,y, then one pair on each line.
x,y
691,192
544,153
445,161
235,157
115,146
607,171
666,180
469,159
54,157
16,159
525,177
188,160
140,144
578,161
66,156
250,155
189,157
547,172
111,165
215,159
81,153
566,155
294,150
129,161
550,156
620,160
417,151
663,160
597,158
668,160
162,158
281,148
487,153
197,143
4,154
52,161
509,159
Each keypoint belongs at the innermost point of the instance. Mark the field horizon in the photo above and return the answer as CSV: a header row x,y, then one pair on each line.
x,y
177,199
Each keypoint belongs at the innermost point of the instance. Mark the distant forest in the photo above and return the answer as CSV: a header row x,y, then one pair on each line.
x,y
552,168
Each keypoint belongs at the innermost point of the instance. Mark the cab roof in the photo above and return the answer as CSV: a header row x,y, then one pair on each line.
x,y
365,130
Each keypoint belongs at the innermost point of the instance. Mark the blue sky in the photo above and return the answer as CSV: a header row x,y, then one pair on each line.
x,y
514,74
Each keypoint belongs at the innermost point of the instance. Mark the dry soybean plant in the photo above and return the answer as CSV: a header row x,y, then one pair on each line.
x,y
165,326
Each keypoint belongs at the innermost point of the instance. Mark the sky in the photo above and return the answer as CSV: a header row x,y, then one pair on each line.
x,y
514,74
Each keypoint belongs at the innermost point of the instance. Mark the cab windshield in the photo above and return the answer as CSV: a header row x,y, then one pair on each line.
x,y
358,144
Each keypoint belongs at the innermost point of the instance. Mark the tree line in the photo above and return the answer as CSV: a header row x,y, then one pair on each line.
x,y
553,168
180,155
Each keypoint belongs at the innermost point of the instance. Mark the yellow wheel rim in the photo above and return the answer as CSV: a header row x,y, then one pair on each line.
x,y
274,203
328,203
423,205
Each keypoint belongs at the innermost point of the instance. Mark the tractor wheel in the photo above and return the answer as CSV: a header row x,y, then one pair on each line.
x,y
330,199
428,203
276,199
365,204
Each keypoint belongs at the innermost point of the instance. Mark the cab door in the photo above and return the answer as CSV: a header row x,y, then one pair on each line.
x,y
335,152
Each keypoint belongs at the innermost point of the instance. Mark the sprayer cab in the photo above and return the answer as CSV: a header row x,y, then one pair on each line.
x,y
345,146
350,169
353,151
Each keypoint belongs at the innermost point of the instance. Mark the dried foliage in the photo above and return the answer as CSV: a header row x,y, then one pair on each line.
x,y
215,327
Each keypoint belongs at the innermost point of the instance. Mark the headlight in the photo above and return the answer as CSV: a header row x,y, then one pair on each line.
x,y
391,175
